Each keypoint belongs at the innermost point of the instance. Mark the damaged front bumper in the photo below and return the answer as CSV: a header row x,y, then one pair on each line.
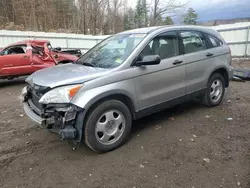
x,y
64,119
32,115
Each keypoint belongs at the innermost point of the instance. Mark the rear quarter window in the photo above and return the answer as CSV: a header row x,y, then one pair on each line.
x,y
215,42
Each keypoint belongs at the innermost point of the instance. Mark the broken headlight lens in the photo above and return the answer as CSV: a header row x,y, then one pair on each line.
x,y
23,94
61,94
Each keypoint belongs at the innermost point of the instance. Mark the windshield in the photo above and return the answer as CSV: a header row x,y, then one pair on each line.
x,y
111,52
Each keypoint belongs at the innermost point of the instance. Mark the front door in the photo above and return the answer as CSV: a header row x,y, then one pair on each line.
x,y
15,60
157,84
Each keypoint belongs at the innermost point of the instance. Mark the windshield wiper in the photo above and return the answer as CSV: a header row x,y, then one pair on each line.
x,y
87,64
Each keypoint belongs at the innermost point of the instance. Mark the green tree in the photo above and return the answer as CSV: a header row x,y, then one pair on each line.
x,y
191,17
141,14
145,13
159,21
164,7
129,19
168,21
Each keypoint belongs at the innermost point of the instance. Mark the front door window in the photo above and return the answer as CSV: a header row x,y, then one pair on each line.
x,y
165,45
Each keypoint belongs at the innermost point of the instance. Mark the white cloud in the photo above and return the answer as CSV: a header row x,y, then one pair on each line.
x,y
211,9
132,3
192,3
204,4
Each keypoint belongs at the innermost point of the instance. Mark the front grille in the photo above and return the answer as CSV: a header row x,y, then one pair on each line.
x,y
35,93
35,99
34,108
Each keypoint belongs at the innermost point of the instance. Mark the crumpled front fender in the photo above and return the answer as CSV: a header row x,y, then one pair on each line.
x,y
86,98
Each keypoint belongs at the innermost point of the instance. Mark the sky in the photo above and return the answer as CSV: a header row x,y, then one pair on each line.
x,y
215,9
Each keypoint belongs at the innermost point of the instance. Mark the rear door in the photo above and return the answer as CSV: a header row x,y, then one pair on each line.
x,y
15,60
198,60
219,50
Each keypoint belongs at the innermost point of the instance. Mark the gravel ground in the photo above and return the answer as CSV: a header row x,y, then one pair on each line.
x,y
188,146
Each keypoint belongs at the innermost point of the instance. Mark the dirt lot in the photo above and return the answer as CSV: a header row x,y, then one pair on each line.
x,y
187,146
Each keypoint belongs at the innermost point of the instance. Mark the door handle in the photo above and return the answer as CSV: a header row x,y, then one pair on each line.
x,y
176,62
209,54
26,57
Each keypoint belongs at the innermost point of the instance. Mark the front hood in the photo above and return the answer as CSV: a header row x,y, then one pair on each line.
x,y
65,75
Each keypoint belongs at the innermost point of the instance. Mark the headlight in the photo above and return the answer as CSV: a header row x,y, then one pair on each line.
x,y
23,94
60,95
24,91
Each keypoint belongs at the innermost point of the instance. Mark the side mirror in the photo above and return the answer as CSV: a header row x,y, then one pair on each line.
x,y
149,60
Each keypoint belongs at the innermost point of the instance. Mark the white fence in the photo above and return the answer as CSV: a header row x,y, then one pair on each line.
x,y
238,39
65,41
236,35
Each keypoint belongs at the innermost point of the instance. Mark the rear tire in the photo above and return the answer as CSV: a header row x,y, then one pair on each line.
x,y
215,90
107,126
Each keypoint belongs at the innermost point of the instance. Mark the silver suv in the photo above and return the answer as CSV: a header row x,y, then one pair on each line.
x,y
125,77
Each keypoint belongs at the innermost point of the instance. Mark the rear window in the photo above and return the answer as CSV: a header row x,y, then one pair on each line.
x,y
215,41
37,49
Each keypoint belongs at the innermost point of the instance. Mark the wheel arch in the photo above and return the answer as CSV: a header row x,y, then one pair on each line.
x,y
224,72
115,96
98,99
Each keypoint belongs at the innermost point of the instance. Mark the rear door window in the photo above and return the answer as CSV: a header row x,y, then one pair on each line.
x,y
193,41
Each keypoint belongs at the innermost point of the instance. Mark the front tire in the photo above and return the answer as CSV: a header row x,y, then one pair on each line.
x,y
107,126
215,90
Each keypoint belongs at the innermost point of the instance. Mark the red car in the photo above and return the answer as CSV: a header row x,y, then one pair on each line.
x,y
26,57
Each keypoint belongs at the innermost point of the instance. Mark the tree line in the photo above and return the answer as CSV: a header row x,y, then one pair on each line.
x,y
88,16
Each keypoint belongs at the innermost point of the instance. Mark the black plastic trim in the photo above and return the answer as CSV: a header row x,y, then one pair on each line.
x,y
168,104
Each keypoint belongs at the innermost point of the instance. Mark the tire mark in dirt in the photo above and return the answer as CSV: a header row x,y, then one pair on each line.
x,y
10,154
9,157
